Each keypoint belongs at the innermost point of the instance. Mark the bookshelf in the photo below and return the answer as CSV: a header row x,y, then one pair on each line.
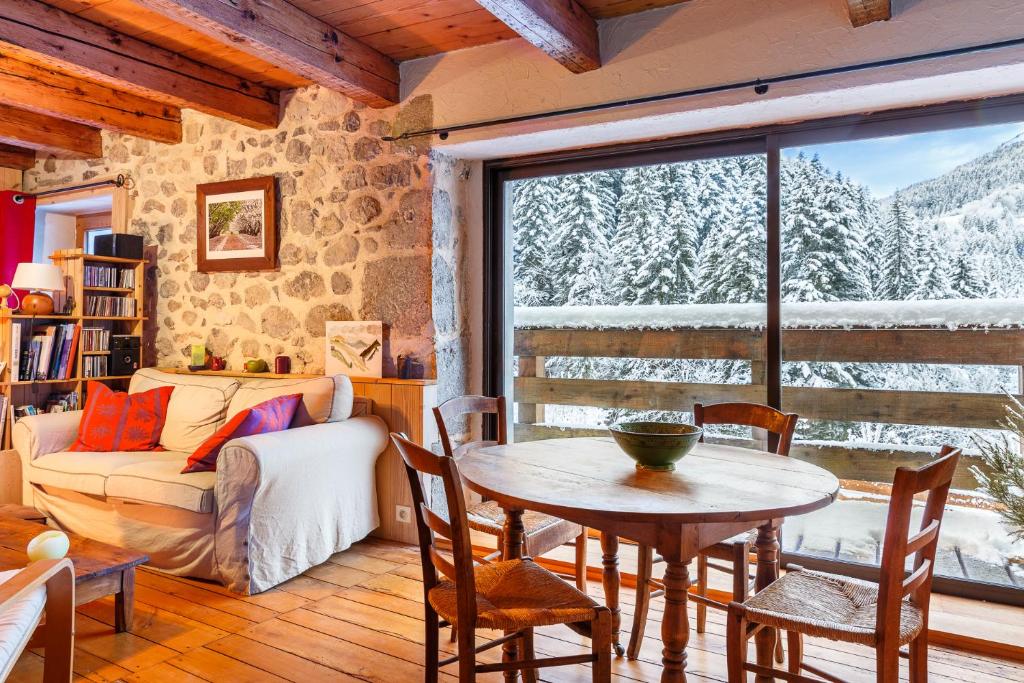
x,y
112,303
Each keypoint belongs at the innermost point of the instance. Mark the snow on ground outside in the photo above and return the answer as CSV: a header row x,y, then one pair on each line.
x,y
945,313
859,525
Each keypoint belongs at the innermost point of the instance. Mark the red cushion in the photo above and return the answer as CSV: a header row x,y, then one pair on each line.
x,y
117,421
274,415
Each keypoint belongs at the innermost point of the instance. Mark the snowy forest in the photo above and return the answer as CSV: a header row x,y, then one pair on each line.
x,y
694,233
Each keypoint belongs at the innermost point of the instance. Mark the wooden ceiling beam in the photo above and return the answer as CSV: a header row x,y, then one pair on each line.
x,y
561,28
17,157
42,34
46,91
44,133
864,12
280,33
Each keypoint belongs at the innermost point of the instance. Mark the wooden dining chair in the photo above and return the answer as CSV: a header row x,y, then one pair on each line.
x,y
735,550
544,533
885,616
42,590
513,596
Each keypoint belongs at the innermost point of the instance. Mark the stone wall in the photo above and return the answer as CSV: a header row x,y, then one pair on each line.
x,y
355,231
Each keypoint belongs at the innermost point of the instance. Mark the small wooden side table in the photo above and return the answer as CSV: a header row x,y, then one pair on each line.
x,y
29,514
100,569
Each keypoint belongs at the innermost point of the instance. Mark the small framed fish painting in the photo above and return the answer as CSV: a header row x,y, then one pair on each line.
x,y
354,348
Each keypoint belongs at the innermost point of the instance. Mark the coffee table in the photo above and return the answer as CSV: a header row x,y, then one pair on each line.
x,y
100,569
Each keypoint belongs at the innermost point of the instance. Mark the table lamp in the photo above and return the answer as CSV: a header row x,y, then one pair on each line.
x,y
38,278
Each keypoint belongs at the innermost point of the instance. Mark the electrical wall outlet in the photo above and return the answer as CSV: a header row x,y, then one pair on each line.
x,y
403,514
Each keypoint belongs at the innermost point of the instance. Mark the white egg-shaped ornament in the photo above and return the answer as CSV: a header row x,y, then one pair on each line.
x,y
49,545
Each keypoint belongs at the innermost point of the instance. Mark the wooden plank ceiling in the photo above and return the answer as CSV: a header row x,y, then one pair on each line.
x,y
131,65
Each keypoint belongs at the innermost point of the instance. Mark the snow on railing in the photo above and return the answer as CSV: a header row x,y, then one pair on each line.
x,y
947,313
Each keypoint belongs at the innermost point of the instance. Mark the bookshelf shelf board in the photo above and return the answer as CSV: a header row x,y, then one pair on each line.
x,y
105,377
110,317
22,316
90,258
22,383
115,290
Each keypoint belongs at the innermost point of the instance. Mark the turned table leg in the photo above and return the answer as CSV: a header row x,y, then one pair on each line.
x,y
610,580
513,535
767,547
675,624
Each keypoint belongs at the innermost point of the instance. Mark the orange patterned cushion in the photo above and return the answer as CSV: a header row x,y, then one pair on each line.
x,y
117,421
273,415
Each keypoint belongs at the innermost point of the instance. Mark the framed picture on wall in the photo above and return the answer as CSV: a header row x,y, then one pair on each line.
x,y
237,225
354,348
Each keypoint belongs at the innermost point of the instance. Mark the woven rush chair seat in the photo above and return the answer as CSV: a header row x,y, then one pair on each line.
x,y
489,518
828,606
516,594
726,545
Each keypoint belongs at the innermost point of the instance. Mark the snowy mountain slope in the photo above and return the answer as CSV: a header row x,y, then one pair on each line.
x,y
990,173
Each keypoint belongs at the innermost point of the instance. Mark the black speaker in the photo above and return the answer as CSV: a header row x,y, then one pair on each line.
x,y
125,354
119,245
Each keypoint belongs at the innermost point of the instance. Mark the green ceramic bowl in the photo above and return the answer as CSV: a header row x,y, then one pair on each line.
x,y
655,445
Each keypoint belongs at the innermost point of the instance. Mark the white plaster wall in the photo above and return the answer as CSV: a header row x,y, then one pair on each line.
x,y
711,42
53,231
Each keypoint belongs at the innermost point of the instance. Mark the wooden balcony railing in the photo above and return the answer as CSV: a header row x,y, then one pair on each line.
x,y
1005,347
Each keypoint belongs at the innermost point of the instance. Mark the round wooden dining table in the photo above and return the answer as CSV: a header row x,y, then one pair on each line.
x,y
714,493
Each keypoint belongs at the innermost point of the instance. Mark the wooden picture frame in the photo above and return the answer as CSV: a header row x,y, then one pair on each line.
x,y
244,214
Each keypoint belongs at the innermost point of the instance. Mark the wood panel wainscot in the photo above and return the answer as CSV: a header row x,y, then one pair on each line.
x,y
405,405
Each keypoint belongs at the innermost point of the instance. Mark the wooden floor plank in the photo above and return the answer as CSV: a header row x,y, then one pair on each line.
x,y
277,661
213,666
358,617
157,626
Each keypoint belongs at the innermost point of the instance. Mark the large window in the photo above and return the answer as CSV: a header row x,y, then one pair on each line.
x,y
872,285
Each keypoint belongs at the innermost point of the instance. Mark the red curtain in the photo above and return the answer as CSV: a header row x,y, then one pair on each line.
x,y
17,231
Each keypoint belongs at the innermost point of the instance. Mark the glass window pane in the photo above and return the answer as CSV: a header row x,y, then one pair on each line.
x,y
901,263
637,291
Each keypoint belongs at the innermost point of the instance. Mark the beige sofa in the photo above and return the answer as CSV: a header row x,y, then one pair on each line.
x,y
278,503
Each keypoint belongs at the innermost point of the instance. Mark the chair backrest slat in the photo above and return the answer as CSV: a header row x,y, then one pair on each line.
x,y
894,586
418,462
448,412
442,565
749,415
436,523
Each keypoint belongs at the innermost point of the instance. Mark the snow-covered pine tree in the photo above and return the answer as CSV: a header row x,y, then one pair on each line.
x,y
898,272
684,219
822,240
580,250
966,282
732,260
533,217
932,271
645,247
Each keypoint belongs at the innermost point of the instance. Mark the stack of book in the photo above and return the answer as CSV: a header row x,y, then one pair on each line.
x,y
48,354
110,306
109,276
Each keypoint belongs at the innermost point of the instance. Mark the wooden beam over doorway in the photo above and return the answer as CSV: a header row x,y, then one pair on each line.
x,y
67,139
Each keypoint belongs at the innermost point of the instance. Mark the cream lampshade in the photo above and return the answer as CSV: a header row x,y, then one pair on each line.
x,y
38,277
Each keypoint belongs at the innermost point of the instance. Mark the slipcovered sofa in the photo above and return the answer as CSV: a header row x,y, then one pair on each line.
x,y
278,503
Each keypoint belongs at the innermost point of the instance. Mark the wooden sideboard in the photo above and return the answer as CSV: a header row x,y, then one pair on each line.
x,y
405,405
